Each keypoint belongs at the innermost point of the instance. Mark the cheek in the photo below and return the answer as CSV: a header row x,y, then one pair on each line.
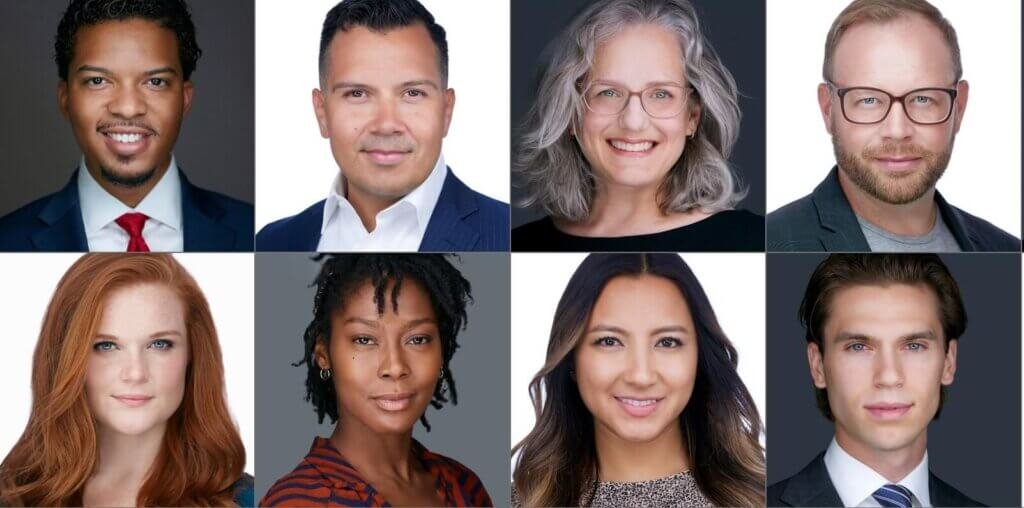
x,y
172,372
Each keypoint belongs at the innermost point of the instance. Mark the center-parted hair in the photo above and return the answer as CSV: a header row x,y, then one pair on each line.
x,y
557,463
558,178
839,271
381,16
342,274
202,455
173,15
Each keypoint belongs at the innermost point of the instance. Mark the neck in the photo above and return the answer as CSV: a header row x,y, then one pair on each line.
x,y
367,206
894,465
126,459
626,461
133,195
619,211
376,455
916,218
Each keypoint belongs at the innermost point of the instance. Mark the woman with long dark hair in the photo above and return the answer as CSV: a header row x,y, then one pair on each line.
x,y
639,401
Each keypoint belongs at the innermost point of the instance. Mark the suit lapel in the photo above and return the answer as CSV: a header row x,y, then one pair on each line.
x,y
201,221
62,215
840,231
447,231
811,486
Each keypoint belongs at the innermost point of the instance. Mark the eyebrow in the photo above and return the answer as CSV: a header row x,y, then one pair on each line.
x,y
104,70
656,331
162,333
647,85
404,84
922,335
376,324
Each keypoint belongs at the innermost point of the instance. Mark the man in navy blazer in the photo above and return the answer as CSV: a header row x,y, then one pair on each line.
x,y
125,86
385,106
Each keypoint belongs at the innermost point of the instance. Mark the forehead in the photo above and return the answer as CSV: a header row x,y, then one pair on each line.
x,y
395,56
140,309
642,300
113,44
897,55
639,54
883,312
413,300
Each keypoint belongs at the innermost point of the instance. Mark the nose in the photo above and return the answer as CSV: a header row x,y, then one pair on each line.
x,y
386,120
127,102
134,368
640,368
393,363
888,370
897,125
633,117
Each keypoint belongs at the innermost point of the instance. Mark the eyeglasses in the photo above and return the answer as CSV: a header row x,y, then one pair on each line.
x,y
924,106
660,101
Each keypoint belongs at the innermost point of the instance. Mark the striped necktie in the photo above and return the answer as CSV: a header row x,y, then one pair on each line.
x,y
893,496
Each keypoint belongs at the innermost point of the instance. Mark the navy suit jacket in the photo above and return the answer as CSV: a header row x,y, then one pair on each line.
x,y
210,222
824,221
812,486
462,220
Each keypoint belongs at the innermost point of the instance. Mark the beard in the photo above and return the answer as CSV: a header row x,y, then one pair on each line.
x,y
895,189
130,181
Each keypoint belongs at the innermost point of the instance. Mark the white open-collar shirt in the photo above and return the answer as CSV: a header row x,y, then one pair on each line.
x,y
163,230
399,227
855,481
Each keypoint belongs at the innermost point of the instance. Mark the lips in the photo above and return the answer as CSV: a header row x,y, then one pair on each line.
x,y
888,410
133,400
393,402
638,407
386,157
126,142
632,147
898,164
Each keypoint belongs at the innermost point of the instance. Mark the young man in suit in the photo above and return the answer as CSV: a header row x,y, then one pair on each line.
x,y
385,106
882,333
125,71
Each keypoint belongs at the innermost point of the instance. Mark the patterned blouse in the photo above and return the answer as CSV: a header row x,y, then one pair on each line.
x,y
679,489
325,478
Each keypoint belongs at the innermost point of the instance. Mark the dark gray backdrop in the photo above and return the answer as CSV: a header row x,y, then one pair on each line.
x,y
215,148
474,432
975,444
737,33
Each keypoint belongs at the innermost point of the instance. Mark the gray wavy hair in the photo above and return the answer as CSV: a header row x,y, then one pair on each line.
x,y
556,175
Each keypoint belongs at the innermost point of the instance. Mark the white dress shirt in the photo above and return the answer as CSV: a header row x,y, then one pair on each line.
x,y
162,231
399,227
855,481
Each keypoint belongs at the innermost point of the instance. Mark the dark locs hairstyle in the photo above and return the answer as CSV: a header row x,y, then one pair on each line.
x,y
342,274
840,271
171,14
381,16
557,464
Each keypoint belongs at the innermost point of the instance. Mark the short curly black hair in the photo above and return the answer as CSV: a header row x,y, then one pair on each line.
x,y
173,15
341,274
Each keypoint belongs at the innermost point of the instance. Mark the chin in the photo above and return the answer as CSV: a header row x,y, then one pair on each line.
x,y
639,432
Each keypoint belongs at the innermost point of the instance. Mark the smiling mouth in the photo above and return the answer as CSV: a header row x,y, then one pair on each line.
x,y
632,147
638,407
394,402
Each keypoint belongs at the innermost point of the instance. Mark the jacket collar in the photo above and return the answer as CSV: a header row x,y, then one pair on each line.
x,y
447,230
811,486
63,218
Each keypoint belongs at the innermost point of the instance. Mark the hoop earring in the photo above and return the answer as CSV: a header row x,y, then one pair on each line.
x,y
325,374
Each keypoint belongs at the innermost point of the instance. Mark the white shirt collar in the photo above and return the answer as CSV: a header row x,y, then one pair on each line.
x,y
855,481
99,207
423,199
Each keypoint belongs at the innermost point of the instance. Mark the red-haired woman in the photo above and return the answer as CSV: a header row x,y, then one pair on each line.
x,y
128,401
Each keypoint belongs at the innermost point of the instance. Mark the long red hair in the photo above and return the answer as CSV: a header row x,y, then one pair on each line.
x,y
202,454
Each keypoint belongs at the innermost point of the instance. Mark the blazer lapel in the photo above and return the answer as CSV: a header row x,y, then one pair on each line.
x,y
840,231
201,221
955,224
62,215
447,231
811,486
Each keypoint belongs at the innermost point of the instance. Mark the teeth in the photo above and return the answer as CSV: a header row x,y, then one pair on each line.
x,y
632,147
126,138
639,403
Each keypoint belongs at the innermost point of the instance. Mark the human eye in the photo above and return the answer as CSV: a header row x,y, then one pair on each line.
x,y
104,345
420,340
607,341
161,344
608,93
661,94
916,346
857,347
356,95
157,83
363,340
669,342
95,81
415,94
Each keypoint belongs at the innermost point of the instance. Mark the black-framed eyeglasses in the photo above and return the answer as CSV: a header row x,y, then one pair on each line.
x,y
925,106
659,101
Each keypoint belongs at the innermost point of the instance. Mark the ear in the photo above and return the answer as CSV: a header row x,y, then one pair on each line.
x,y
320,355
960,104
186,91
825,104
693,118
949,365
449,107
817,365
62,98
321,113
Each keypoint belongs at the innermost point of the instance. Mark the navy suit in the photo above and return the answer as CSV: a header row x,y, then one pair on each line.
x,y
210,222
462,220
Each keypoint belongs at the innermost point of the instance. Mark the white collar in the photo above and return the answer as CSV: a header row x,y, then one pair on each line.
x,y
855,481
423,198
100,208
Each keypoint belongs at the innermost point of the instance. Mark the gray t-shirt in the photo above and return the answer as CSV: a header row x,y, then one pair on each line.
x,y
939,239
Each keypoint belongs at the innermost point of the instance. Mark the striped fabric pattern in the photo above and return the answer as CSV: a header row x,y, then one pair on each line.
x,y
893,496
325,478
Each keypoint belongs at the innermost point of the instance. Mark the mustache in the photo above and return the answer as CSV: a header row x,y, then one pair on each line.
x,y
386,144
893,150
133,124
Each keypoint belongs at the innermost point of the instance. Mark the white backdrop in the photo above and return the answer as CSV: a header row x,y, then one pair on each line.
x,y
29,282
983,176
735,284
294,166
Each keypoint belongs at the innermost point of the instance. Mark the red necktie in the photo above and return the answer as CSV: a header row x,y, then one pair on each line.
x,y
132,223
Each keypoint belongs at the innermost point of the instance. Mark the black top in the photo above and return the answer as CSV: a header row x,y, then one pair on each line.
x,y
731,230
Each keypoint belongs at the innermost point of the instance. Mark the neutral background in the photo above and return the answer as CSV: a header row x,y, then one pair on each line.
x,y
294,165
214,149
471,432
29,282
735,33
733,282
983,176
975,445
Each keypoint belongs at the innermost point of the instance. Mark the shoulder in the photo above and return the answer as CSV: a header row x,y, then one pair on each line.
x,y
944,494
488,216
539,235
774,493
472,489
986,235
244,491
25,218
793,226
304,486
739,230
292,233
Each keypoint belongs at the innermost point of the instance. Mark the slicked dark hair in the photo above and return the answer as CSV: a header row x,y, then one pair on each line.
x,y
381,16
173,15
342,274
840,271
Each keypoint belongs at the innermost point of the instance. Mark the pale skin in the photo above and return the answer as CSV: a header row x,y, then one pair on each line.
x,y
897,56
625,198
883,346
